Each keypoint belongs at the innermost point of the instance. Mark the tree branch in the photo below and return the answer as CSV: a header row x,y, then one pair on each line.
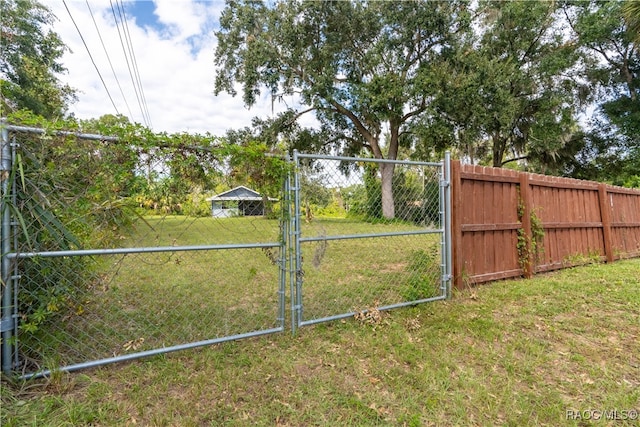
x,y
420,109
359,126
515,159
298,115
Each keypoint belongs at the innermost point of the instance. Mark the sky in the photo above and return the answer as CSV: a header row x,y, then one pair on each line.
x,y
173,43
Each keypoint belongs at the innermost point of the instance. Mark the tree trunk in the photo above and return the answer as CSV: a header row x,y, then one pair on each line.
x,y
499,146
628,76
386,175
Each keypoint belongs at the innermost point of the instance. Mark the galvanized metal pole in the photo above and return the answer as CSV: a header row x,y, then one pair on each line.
x,y
14,263
297,232
6,319
290,250
442,188
282,261
89,136
447,225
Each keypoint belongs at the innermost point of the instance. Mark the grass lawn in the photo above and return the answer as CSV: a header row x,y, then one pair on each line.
x,y
146,301
515,353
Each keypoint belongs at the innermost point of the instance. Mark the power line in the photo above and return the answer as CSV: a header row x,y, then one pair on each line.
x,y
109,59
90,56
131,74
135,63
126,57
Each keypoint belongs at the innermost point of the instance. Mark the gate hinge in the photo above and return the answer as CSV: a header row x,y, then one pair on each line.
x,y
444,183
7,324
446,277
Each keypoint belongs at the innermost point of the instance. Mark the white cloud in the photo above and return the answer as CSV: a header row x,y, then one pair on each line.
x,y
186,18
175,63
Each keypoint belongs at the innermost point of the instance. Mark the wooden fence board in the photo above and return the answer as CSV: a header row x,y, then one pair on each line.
x,y
581,220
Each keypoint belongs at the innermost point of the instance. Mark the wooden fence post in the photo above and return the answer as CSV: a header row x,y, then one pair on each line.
x,y
606,221
525,246
456,221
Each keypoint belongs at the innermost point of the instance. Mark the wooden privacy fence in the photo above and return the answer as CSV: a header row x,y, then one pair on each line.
x,y
508,223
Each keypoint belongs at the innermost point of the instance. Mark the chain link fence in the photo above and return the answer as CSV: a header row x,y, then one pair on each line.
x,y
112,252
356,256
116,250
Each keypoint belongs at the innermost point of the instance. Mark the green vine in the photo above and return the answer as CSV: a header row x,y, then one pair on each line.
x,y
67,192
535,246
537,236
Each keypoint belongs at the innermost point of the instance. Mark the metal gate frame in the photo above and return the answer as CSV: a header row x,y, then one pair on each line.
x,y
289,261
9,320
297,308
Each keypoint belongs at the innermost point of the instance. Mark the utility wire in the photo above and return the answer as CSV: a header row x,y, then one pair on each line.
x,y
90,56
134,61
109,59
126,57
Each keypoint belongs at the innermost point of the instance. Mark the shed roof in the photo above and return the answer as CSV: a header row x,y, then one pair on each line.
x,y
239,193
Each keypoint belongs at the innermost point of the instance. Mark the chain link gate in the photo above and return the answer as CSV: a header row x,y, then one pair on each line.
x,y
351,256
164,283
174,282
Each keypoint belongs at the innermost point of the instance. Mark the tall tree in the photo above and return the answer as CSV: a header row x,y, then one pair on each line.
x,y
511,93
30,55
364,67
611,54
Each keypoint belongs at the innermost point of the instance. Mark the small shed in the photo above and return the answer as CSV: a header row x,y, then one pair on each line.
x,y
239,201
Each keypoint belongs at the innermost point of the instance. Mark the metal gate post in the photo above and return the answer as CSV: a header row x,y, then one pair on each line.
x,y
289,245
296,233
282,260
7,307
447,222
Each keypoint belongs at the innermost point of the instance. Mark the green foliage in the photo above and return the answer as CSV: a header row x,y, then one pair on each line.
x,y
607,156
30,56
260,167
312,190
506,91
415,201
423,266
332,210
373,186
355,197
320,200
61,298
631,11
360,65
611,57
282,133
196,205
509,93
417,198
533,244
68,193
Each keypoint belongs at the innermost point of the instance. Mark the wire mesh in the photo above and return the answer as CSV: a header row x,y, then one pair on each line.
x,y
189,276
355,256
116,250
121,304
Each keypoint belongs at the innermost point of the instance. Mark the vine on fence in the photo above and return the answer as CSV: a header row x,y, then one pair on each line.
x,y
70,192
529,245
